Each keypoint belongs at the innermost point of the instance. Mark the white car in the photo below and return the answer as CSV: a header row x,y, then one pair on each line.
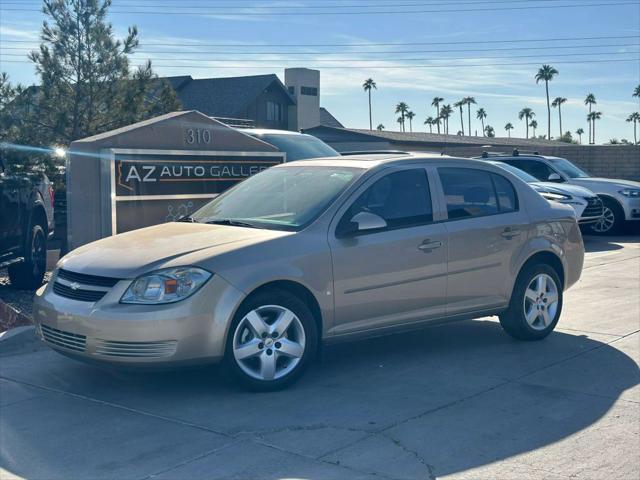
x,y
586,204
620,198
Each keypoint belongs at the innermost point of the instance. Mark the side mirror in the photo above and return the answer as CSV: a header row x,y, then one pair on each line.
x,y
361,222
554,177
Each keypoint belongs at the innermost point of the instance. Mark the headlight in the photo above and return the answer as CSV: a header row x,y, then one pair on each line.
x,y
556,197
630,192
165,286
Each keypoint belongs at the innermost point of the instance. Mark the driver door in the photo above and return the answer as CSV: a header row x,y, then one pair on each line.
x,y
395,274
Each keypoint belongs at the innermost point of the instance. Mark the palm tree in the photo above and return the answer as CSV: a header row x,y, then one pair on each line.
x,y
534,125
526,113
402,108
635,118
436,103
579,132
636,92
380,127
508,127
429,121
547,73
593,117
590,100
468,102
410,116
400,121
489,131
368,85
481,114
459,105
445,113
557,103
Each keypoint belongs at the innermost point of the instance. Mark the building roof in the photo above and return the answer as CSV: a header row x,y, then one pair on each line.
x,y
225,96
332,134
328,120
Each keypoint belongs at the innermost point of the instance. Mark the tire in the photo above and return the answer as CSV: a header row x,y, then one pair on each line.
x,y
531,316
612,221
260,357
28,275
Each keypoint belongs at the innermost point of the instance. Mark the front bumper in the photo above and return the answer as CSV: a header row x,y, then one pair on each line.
x,y
631,207
190,331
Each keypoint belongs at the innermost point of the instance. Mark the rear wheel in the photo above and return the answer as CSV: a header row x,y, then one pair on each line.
x,y
29,274
536,304
612,220
272,340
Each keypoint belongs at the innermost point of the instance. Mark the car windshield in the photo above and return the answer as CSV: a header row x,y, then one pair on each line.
x,y
568,168
299,147
281,198
521,174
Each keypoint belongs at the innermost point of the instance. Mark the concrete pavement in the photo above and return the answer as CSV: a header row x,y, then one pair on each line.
x,y
458,401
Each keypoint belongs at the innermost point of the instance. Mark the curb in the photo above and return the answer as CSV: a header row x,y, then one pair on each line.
x,y
12,317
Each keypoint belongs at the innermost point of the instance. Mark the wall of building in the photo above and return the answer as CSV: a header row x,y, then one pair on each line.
x,y
262,113
304,86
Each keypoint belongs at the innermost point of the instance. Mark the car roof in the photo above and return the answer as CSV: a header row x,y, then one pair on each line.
x,y
369,161
268,131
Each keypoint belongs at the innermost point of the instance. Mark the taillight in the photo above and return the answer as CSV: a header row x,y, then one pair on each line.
x,y
51,196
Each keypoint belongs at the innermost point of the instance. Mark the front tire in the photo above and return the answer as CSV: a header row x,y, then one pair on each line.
x,y
536,304
612,220
29,274
272,340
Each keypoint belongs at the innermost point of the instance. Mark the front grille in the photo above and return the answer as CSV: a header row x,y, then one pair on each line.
x,y
78,294
60,338
93,280
594,207
110,348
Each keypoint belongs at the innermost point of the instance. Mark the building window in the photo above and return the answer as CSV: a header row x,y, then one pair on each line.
x,y
275,112
292,90
311,91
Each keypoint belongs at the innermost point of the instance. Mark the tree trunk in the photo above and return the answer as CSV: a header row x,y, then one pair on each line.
x,y
635,134
370,120
546,85
461,120
590,126
560,118
469,124
526,119
438,115
482,120
594,131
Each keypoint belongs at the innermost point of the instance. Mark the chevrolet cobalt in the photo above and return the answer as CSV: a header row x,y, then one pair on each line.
x,y
314,252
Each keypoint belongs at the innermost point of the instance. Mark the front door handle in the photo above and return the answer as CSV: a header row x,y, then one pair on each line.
x,y
510,232
429,246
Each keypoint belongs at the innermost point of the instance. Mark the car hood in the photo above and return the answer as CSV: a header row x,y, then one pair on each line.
x,y
131,254
604,185
573,190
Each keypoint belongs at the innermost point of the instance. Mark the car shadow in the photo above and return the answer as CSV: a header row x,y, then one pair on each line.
x,y
426,391
594,243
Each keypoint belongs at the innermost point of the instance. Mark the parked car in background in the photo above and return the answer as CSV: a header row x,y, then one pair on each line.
x,y
620,198
586,204
26,224
318,251
296,146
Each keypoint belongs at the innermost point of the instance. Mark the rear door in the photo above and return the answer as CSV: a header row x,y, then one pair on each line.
x,y
486,228
11,213
397,274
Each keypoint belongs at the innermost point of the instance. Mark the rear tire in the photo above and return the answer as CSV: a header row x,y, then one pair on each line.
x,y
612,221
28,275
536,304
271,341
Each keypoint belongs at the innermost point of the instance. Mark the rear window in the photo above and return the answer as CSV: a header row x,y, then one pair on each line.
x,y
299,147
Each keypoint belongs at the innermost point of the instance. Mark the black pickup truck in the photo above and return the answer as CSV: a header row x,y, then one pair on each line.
x,y
26,224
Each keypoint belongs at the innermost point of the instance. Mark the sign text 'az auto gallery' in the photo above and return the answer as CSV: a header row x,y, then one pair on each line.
x,y
155,171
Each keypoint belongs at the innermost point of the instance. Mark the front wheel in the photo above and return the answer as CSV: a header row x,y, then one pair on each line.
x,y
29,274
536,304
272,339
612,219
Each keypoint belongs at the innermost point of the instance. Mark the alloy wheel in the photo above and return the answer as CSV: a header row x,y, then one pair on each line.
x,y
269,342
541,302
606,222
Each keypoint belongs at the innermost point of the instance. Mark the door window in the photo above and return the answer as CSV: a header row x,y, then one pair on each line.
x,y
538,169
402,199
476,193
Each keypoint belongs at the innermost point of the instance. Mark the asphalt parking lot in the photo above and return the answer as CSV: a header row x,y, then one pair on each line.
x,y
458,401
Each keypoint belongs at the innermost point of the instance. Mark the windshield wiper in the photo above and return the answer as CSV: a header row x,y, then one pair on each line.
x,y
187,220
229,221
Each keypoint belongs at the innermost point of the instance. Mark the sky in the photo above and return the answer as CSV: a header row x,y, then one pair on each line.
x,y
414,50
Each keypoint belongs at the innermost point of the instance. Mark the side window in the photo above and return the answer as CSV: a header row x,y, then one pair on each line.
x,y
507,198
540,170
468,192
402,198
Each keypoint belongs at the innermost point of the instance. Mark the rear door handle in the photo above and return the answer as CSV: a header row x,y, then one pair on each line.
x,y
510,232
429,246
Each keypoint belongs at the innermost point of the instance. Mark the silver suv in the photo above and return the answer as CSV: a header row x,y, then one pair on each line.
x,y
620,198
317,251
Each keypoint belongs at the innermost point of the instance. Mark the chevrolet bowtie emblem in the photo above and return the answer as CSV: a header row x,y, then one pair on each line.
x,y
74,286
